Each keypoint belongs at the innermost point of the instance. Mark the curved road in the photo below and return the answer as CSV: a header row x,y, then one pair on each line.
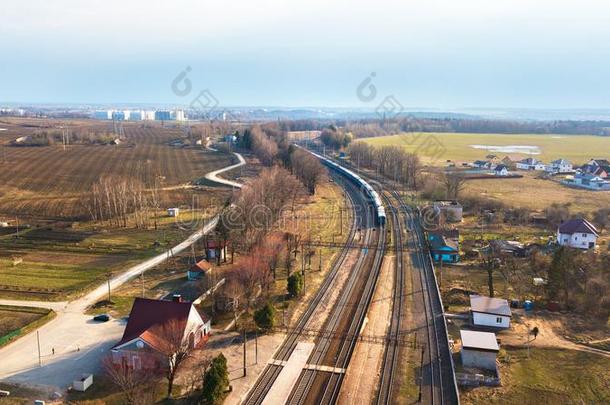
x,y
213,176
71,343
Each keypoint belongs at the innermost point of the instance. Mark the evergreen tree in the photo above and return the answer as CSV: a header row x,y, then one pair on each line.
x,y
265,317
295,284
215,380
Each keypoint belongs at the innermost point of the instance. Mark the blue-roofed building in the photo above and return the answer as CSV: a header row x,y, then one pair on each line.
x,y
444,246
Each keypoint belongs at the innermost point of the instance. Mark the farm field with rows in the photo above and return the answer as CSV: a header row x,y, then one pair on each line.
x,y
49,181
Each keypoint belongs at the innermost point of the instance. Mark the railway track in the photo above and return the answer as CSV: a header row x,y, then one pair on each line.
x,y
346,320
438,385
392,349
269,375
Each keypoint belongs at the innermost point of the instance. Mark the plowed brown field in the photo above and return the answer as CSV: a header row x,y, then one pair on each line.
x,y
51,182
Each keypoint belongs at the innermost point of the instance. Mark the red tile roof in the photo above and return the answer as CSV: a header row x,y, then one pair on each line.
x,y
201,267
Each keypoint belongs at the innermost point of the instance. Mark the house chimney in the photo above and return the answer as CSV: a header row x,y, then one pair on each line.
x,y
177,298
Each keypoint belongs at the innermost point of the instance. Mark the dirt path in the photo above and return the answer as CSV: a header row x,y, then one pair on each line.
x,y
549,335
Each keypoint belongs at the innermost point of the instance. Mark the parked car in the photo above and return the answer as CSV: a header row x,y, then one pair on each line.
x,y
101,318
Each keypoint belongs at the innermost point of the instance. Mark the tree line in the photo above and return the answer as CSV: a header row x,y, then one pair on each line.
x,y
390,161
371,127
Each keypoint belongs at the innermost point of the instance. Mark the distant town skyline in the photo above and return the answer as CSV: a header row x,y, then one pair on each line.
x,y
437,54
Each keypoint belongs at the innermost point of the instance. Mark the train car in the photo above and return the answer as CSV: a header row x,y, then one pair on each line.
x,y
371,193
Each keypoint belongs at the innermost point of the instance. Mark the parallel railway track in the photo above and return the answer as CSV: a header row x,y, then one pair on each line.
x,y
392,349
346,320
438,376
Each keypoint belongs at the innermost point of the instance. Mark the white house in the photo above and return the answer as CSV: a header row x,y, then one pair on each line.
x,y
577,233
479,349
151,328
490,312
530,164
501,170
588,181
560,166
483,164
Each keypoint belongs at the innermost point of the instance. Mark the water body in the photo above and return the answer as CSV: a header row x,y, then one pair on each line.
x,y
526,149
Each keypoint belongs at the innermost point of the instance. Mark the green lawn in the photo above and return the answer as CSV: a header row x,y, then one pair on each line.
x,y
548,376
576,148
48,277
58,264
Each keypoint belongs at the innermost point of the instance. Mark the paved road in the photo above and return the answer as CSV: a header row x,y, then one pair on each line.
x,y
213,176
72,343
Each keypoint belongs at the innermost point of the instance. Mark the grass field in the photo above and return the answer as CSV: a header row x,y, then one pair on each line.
x,y
576,148
58,264
547,376
50,182
538,194
15,321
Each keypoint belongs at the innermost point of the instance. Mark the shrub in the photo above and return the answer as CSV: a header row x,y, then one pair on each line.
x,y
295,284
215,380
265,317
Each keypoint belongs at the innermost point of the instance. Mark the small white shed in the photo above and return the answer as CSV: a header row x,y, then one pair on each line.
x,y
173,212
490,312
479,349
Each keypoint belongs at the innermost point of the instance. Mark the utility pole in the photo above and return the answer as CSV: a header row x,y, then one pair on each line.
x,y
320,264
303,265
39,356
142,280
340,221
245,352
256,346
421,374
108,275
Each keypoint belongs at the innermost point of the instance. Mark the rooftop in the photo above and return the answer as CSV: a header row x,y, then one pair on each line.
x,y
578,225
495,306
201,266
444,241
147,316
479,340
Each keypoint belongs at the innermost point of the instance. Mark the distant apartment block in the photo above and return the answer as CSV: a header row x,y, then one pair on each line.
x,y
140,115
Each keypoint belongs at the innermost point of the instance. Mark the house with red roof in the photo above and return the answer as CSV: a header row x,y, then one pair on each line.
x,y
199,270
577,233
153,328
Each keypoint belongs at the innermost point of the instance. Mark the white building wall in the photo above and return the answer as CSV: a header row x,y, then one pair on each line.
x,y
576,240
482,319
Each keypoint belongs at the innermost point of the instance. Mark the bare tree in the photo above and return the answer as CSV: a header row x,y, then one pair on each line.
x,y
263,147
454,184
307,168
137,385
175,348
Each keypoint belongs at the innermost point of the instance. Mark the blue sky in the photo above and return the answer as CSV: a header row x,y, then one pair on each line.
x,y
442,54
